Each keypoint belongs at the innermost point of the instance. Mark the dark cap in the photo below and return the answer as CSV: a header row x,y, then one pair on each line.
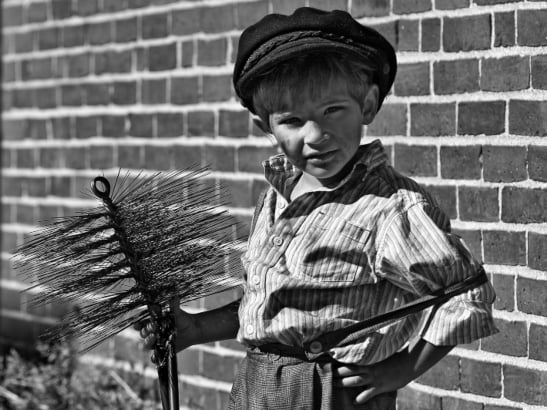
x,y
277,38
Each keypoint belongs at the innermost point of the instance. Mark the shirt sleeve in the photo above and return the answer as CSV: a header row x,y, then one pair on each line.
x,y
418,254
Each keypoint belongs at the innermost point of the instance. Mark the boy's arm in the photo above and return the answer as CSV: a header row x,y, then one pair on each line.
x,y
392,373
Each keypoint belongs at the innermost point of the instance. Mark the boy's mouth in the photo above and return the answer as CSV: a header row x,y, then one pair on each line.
x,y
320,156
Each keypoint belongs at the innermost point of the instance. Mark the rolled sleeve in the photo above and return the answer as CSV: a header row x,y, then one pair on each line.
x,y
418,254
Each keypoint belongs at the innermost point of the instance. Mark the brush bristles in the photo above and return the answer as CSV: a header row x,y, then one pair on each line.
x,y
162,237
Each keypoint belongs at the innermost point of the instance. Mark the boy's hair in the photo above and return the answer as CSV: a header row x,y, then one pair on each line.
x,y
306,76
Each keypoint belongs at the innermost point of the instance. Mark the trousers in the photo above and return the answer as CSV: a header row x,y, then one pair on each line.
x,y
276,381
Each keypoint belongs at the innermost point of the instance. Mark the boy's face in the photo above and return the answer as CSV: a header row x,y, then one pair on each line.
x,y
320,136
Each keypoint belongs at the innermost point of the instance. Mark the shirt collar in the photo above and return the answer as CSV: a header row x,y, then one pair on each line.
x,y
281,174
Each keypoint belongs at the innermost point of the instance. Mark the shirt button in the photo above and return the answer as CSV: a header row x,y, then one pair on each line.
x,y
250,329
277,241
256,279
316,346
281,205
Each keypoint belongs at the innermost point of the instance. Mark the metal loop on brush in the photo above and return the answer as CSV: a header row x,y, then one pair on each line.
x,y
101,187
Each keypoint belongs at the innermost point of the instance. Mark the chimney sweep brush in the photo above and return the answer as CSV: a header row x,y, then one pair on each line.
x,y
153,238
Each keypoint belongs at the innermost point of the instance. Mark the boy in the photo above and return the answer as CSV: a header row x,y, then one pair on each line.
x,y
340,237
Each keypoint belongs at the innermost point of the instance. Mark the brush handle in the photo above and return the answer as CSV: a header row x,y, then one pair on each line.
x,y
168,379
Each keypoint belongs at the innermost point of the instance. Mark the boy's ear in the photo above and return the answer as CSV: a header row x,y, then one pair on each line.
x,y
370,105
263,126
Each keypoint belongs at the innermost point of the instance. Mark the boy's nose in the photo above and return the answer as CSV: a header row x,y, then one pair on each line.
x,y
313,133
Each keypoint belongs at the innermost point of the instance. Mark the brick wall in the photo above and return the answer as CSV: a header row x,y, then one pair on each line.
x,y
93,85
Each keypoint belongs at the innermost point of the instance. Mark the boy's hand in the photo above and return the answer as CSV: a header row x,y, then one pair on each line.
x,y
392,373
382,377
188,330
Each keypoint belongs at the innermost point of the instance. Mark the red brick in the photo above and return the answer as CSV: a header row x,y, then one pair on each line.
x,y
86,7
12,15
217,88
86,127
125,30
201,123
453,403
185,21
390,120
409,35
14,129
62,128
233,123
36,13
212,52
26,214
481,377
36,186
421,123
118,61
184,90
73,36
12,186
478,204
154,91
22,98
154,26
48,38
467,33
114,5
96,93
535,381
124,92
494,407
524,205
60,186
416,160
492,2
158,157
61,9
187,155
188,361
511,340
170,124
25,158
539,72
454,77
101,157
460,162
130,156
505,74
250,12
538,335
537,244
76,157
446,197
531,296
239,192
388,30
249,158
484,117
220,158
187,54
100,33
504,29
409,399
367,8
72,95
162,57
45,97
504,164
505,292
217,18
24,42
20,330
412,79
528,117
286,6
531,28
78,65
444,375
113,126
411,6
431,34
36,69
141,125
504,248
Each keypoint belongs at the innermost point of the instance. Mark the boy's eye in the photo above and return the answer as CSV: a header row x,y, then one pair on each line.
x,y
290,121
333,109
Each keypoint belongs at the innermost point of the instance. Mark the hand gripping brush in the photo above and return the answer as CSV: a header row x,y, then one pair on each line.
x,y
153,239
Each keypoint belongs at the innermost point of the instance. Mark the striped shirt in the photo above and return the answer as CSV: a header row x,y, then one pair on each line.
x,y
331,258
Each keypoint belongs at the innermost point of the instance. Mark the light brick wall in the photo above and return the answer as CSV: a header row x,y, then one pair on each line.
x,y
93,85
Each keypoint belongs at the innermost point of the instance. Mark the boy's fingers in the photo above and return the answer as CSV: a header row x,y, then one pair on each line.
x,y
345,371
150,341
354,381
366,395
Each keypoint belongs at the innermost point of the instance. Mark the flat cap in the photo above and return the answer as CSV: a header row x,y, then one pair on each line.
x,y
277,38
